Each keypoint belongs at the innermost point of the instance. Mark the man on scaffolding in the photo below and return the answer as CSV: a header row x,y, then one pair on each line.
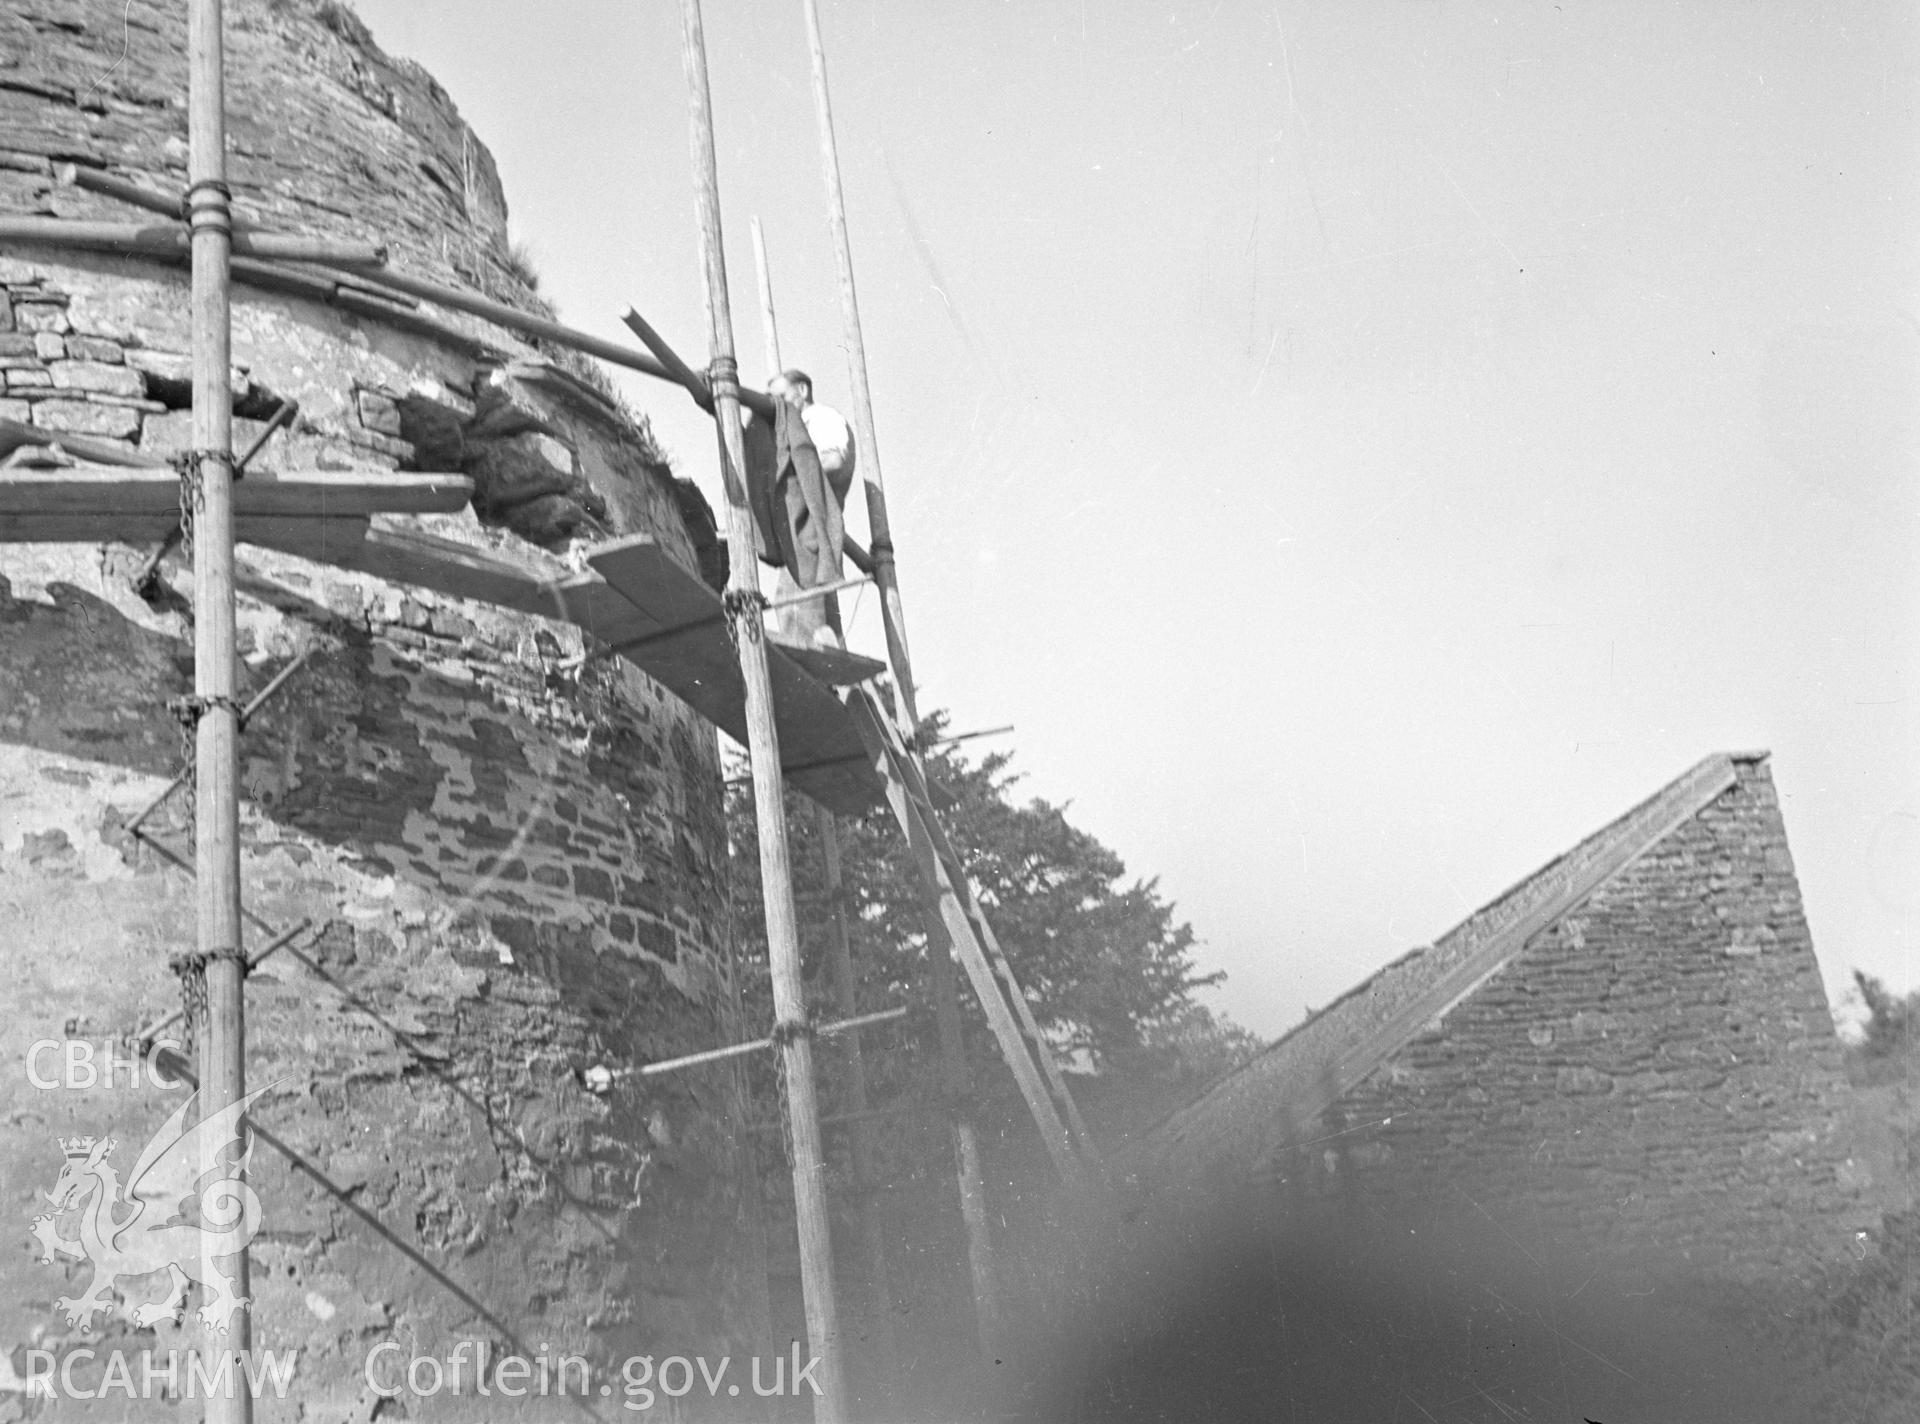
x,y
799,471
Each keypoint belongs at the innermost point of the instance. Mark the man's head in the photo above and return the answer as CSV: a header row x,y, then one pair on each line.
x,y
794,385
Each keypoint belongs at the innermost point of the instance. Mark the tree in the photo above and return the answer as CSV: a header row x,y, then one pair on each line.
x,y
1105,961
1893,1021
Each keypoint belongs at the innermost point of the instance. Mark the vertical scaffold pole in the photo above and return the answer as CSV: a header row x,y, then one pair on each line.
x,y
944,992
879,527
840,962
753,1211
746,623
209,495
769,324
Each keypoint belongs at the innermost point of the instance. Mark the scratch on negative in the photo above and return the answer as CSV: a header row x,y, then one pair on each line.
x,y
1518,1244
126,48
1568,1339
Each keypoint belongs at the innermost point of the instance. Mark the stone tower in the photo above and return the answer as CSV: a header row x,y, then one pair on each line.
x,y
511,862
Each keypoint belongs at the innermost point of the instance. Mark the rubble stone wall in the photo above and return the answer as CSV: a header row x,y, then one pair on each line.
x,y
1655,1076
511,866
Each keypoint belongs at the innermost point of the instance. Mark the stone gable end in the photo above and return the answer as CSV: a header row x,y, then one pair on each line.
x,y
1657,1073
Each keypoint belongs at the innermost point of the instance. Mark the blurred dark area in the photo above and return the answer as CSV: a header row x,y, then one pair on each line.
x,y
1339,1313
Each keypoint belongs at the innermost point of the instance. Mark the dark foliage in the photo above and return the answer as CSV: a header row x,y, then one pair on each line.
x,y
1893,1021
1105,961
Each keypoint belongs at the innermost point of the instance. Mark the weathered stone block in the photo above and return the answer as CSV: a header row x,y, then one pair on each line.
x,y
167,432
305,451
49,345
25,377
98,376
41,316
14,409
378,413
151,407
380,444
519,468
455,403
549,521
96,348
82,417
447,623
658,940
16,343
636,894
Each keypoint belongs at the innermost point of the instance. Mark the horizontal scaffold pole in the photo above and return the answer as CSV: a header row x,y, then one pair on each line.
x,y
735,1050
92,179
677,370
806,595
515,320
170,239
662,365
970,736
680,373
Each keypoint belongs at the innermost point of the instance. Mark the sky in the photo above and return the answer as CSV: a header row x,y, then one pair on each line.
x,y
1361,448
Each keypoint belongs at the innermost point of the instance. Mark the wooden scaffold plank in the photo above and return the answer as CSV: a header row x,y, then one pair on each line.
x,y
655,613
822,753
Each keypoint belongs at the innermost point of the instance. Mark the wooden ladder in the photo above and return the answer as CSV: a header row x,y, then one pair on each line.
x,y
970,937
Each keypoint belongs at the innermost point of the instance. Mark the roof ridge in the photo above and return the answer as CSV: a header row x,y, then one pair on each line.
x,y
1485,940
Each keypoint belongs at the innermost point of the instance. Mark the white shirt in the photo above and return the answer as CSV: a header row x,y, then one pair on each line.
x,y
833,439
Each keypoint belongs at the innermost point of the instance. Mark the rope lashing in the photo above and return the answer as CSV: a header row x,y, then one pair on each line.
x,y
188,710
745,608
192,972
191,968
791,1031
785,1032
193,488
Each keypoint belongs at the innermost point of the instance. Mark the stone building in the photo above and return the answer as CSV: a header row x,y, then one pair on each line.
x,y
1588,1151
511,865
1640,1023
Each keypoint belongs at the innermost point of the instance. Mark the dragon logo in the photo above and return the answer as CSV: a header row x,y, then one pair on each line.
x,y
141,1229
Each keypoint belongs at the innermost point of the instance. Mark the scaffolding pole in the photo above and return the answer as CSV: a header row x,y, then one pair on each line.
x,y
879,528
955,1078
752,1214
208,500
746,623
873,1242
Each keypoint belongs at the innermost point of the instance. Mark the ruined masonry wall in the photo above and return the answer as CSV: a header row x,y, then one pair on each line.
x,y
326,133
514,867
